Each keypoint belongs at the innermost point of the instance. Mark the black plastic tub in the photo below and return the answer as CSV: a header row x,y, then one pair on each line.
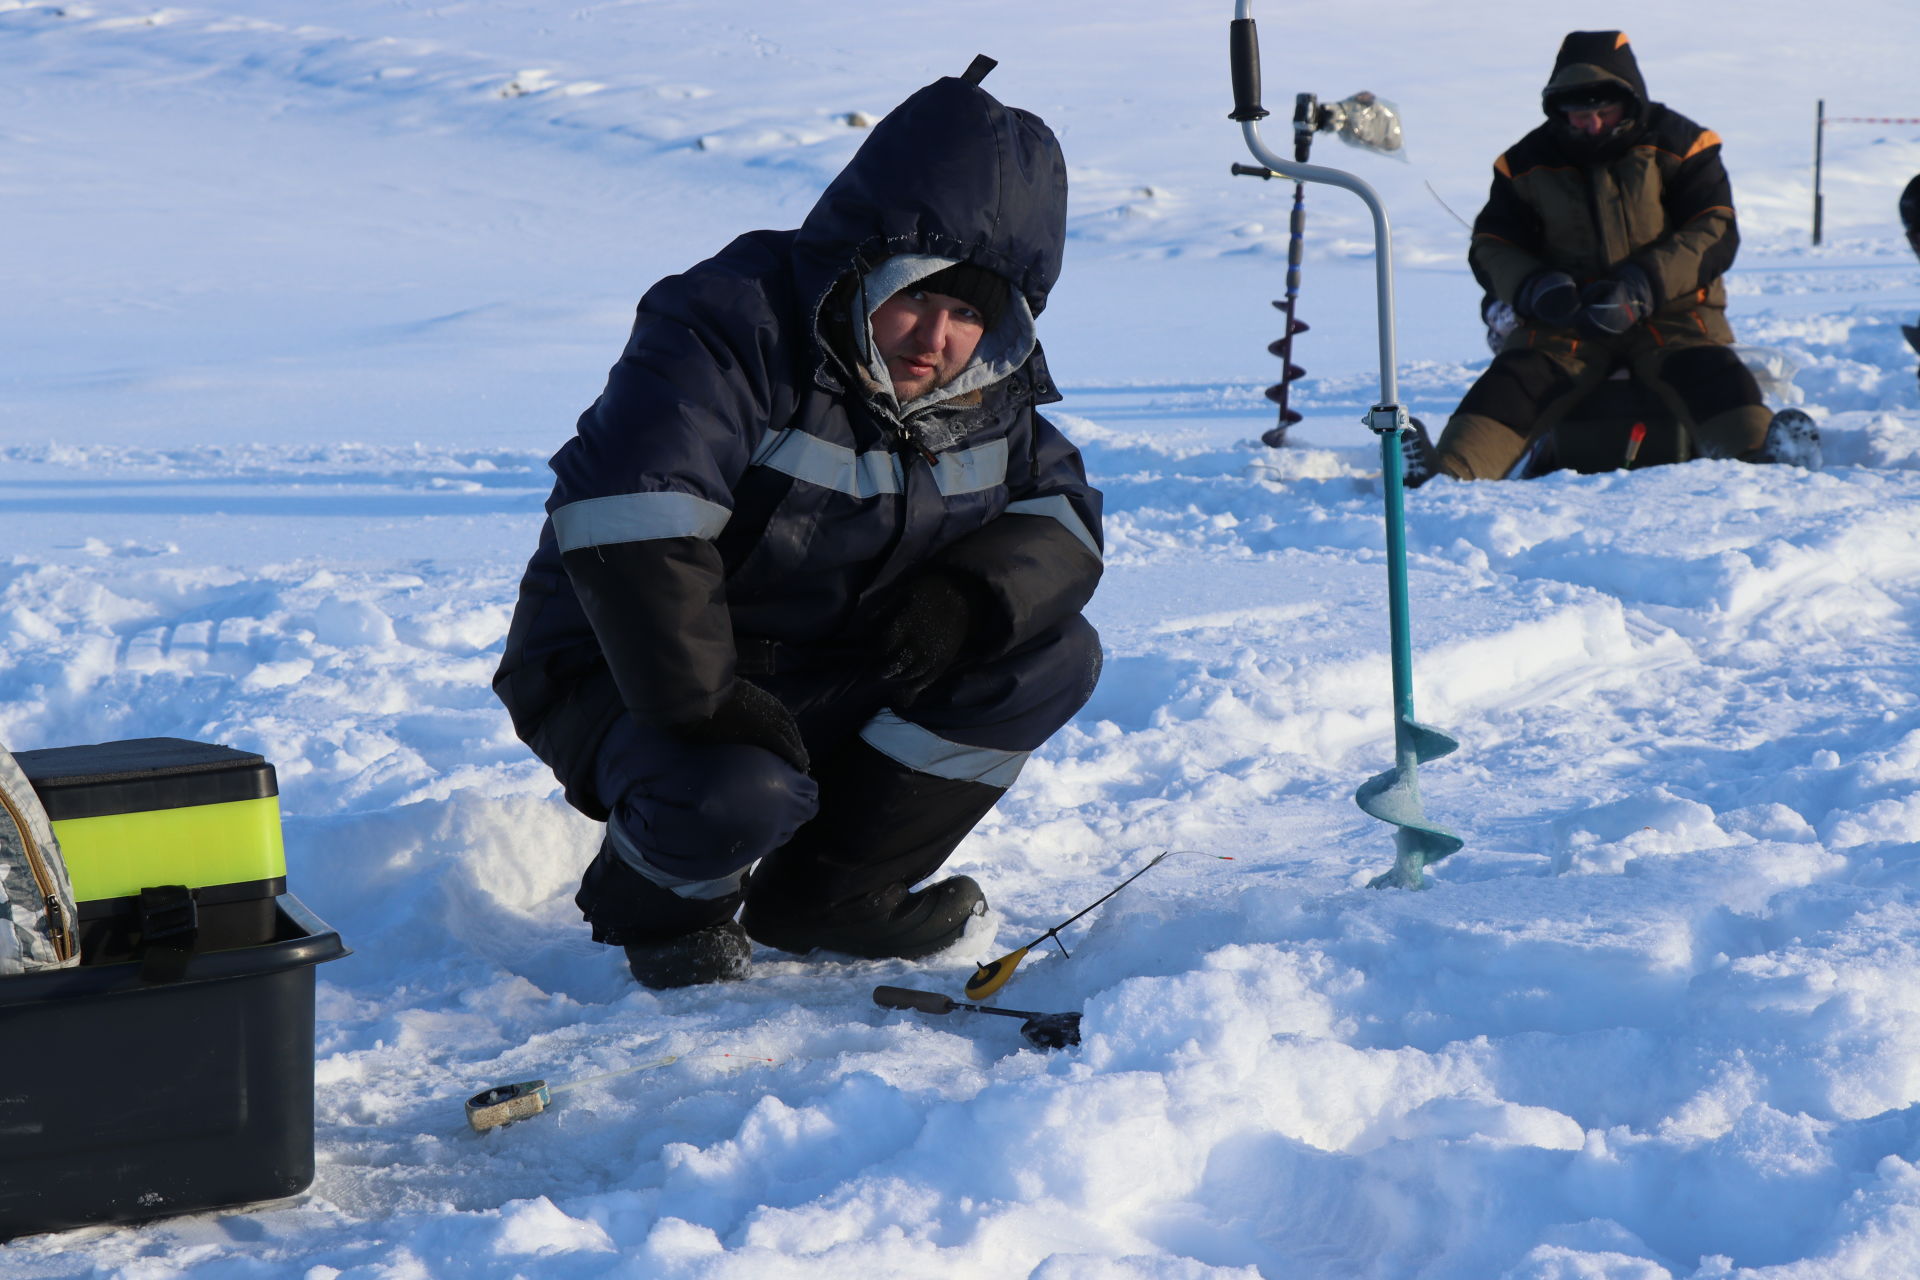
x,y
122,1099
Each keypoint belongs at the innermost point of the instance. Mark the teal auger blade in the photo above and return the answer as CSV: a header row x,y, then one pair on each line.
x,y
1414,848
1429,743
1394,796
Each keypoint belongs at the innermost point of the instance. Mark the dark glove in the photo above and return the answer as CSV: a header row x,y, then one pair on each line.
x,y
752,717
926,632
1548,296
1612,306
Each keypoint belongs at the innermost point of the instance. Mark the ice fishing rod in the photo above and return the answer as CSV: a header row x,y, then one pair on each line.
x,y
1393,796
989,978
1042,1030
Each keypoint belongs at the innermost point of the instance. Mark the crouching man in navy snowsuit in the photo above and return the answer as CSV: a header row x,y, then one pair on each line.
x,y
810,587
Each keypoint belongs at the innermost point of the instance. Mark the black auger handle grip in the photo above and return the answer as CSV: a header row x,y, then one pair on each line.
x,y
1243,49
904,998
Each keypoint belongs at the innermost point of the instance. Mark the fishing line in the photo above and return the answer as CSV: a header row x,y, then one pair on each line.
x,y
989,978
503,1104
1444,205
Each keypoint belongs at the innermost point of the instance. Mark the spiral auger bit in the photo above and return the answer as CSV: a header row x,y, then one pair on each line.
x,y
1394,796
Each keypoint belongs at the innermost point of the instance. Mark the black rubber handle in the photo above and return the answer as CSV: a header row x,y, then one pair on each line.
x,y
1243,49
903,998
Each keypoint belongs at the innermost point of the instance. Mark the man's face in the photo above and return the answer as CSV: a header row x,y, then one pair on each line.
x,y
925,338
1596,120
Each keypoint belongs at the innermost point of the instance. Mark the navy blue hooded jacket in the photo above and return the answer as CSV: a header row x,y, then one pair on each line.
x,y
739,479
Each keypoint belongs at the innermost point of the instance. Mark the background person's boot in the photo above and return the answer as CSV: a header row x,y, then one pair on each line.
x,y
1793,438
1419,460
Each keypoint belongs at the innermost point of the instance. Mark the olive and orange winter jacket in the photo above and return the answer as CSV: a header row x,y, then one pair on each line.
x,y
1656,195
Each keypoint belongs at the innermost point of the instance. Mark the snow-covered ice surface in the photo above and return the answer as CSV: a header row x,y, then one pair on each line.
x,y
298,299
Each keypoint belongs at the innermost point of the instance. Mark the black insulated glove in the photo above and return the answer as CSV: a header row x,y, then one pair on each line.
x,y
926,633
1548,296
1612,306
752,717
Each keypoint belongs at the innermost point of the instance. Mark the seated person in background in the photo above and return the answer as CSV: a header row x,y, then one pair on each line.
x,y
1607,232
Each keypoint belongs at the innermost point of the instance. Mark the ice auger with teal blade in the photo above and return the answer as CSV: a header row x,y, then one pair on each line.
x,y
1393,796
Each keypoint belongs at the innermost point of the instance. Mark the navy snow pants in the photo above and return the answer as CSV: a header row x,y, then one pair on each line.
x,y
890,794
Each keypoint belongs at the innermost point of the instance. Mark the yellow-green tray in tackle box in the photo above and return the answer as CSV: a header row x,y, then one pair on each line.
x,y
164,837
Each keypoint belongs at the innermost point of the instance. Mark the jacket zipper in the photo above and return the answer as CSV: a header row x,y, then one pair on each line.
x,y
1599,222
43,881
911,441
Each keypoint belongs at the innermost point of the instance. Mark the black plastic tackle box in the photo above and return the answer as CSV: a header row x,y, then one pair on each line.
x,y
172,1070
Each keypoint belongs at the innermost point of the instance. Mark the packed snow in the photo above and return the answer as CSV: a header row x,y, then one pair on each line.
x,y
299,299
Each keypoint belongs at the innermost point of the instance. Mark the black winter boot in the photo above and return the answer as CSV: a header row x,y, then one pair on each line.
x,y
670,941
1420,461
1793,439
717,953
843,883
890,924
